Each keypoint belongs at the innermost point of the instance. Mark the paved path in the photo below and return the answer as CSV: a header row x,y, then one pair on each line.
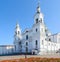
x,y
28,56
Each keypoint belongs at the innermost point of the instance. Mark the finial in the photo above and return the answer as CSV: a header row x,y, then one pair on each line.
x,y
38,7
17,24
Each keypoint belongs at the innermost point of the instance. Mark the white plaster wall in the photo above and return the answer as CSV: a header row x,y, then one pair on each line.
x,y
6,49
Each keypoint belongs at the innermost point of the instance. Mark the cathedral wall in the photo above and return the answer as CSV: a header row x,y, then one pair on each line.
x,y
36,36
29,41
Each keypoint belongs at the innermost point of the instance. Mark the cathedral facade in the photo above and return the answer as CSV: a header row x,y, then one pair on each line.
x,y
37,40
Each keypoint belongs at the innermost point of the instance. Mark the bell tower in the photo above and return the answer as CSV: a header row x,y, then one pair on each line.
x,y
38,29
17,32
38,18
17,38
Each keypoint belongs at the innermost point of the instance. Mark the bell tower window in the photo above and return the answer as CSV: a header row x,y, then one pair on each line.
x,y
37,20
18,32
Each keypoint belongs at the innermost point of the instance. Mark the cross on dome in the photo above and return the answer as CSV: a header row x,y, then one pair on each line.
x,y
38,7
17,24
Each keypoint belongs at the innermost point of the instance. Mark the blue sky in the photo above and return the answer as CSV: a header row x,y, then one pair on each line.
x,y
23,11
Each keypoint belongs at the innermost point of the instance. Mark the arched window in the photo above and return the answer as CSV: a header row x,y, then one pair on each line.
x,y
26,37
36,42
37,20
26,31
49,39
18,32
26,43
19,43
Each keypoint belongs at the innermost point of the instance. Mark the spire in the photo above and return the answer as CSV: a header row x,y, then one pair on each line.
x,y
38,7
17,25
18,28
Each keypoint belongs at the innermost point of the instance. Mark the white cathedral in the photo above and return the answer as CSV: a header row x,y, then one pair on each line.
x,y
37,40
